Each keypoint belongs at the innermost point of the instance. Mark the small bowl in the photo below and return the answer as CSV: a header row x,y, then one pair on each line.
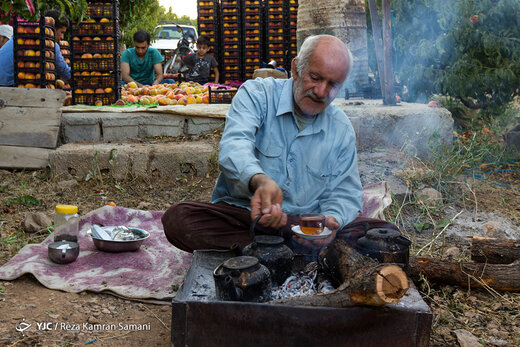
x,y
116,246
63,252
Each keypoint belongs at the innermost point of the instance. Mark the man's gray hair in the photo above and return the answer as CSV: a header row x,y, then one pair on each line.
x,y
308,47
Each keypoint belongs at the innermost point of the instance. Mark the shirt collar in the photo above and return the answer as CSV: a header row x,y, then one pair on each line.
x,y
286,103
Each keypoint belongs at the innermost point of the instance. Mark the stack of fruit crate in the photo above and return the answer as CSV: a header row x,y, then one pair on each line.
x,y
65,51
252,36
231,39
276,40
208,26
34,53
290,30
96,73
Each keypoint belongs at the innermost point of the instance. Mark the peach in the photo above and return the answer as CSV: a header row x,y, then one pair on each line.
x,y
132,85
205,99
60,84
120,102
99,91
108,90
30,85
86,56
163,101
98,103
145,100
97,55
182,101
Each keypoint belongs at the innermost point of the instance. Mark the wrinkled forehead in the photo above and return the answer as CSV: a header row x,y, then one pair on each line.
x,y
330,62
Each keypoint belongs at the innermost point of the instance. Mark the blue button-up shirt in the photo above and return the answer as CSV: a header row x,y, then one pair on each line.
x,y
316,168
7,64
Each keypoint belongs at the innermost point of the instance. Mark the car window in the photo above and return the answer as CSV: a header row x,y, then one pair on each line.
x,y
169,33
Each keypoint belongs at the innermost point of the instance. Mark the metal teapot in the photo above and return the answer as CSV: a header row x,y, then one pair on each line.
x,y
272,252
385,245
242,278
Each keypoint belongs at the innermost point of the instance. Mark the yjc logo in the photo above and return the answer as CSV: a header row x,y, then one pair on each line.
x,y
43,326
22,326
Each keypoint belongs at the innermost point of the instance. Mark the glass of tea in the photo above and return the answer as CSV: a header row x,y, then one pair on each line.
x,y
312,223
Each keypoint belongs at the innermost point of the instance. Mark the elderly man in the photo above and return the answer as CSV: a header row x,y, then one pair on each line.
x,y
6,31
142,64
285,151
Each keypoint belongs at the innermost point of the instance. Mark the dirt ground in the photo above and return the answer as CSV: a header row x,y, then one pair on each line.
x,y
493,318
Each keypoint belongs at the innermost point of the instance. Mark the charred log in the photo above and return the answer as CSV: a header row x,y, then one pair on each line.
x,y
465,274
494,251
362,280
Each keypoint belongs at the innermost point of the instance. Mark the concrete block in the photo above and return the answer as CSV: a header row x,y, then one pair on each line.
x,y
198,125
80,127
414,128
185,158
125,161
119,127
156,124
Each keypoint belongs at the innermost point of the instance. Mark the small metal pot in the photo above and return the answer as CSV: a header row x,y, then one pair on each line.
x,y
274,254
385,245
63,252
242,279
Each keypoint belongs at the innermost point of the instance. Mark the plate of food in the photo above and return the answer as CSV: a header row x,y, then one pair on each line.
x,y
297,230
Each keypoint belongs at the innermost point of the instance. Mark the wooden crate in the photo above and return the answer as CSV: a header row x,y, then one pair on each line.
x,y
29,126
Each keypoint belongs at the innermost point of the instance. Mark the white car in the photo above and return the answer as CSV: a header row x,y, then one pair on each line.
x,y
168,36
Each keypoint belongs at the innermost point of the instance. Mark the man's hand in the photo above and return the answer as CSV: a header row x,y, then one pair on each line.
x,y
267,200
332,224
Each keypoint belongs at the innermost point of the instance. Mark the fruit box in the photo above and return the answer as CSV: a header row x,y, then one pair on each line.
x,y
221,96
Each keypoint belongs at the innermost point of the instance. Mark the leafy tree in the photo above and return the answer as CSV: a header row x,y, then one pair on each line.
x,y
170,17
137,15
466,49
32,10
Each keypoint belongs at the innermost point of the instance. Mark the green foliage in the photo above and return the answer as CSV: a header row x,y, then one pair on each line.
x,y
137,15
467,49
73,9
145,15
25,200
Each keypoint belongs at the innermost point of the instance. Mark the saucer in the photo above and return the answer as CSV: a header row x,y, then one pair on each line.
x,y
326,233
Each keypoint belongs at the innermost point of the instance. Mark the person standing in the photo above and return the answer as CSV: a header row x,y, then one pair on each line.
x,y
200,63
61,24
6,31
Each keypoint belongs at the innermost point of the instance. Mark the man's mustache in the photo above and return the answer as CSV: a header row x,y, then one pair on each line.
x,y
316,98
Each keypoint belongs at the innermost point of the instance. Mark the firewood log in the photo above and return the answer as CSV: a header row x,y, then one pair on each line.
x,y
363,280
494,251
465,274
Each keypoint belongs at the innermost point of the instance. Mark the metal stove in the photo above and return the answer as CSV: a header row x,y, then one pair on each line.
x,y
200,319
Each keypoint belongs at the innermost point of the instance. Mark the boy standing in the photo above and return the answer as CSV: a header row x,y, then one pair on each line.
x,y
200,63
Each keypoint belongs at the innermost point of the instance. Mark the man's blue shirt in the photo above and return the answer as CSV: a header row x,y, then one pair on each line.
x,y
316,168
7,64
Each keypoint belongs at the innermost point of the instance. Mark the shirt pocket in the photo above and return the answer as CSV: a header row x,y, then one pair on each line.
x,y
314,182
269,153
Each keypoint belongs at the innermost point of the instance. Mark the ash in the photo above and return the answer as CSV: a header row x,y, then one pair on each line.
x,y
303,283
